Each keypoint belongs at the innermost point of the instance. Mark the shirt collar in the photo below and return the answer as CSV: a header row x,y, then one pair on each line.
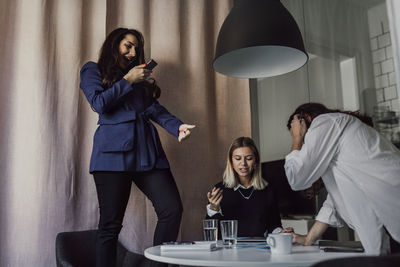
x,y
243,187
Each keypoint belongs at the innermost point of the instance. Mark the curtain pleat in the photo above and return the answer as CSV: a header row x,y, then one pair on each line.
x,y
48,126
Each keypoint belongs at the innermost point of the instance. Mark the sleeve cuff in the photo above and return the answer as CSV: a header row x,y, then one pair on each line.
x,y
294,167
124,82
211,212
292,154
177,128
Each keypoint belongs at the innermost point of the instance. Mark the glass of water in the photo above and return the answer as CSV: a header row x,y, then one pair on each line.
x,y
210,229
229,232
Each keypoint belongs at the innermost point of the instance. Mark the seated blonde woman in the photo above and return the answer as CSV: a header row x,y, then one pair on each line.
x,y
243,194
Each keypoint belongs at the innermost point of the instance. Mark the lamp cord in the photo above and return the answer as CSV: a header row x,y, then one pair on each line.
x,y
305,39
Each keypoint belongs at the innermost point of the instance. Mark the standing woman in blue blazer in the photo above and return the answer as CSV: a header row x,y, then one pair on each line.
x,y
126,145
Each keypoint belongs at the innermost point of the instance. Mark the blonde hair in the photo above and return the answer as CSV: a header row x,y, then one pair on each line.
x,y
230,177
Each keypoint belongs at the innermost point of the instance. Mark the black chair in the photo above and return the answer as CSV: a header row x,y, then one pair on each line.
x,y
77,249
392,260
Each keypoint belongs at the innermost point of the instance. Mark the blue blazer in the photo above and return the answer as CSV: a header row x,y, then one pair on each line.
x,y
125,139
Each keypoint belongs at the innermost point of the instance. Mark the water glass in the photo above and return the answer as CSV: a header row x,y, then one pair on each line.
x,y
210,230
229,232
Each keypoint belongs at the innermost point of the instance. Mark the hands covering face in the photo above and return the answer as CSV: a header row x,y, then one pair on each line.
x,y
298,127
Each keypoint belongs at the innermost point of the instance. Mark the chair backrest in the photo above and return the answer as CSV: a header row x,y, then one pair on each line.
x,y
364,261
76,249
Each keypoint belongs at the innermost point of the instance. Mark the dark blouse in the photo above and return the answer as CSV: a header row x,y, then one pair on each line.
x,y
256,215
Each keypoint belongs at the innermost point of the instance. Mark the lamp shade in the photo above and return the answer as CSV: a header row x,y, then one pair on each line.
x,y
259,38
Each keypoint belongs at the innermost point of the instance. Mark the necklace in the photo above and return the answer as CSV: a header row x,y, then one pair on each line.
x,y
240,191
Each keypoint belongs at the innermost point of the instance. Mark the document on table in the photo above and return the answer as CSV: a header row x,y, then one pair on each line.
x,y
195,245
256,242
340,246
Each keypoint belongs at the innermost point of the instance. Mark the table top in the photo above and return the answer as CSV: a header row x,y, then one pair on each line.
x,y
245,256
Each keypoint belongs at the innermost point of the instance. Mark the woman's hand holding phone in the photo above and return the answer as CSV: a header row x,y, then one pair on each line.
x,y
215,197
151,64
137,74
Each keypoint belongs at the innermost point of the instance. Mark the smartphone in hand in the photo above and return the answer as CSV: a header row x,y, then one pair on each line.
x,y
151,64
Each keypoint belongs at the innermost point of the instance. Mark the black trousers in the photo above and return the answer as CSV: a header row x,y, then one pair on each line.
x,y
113,190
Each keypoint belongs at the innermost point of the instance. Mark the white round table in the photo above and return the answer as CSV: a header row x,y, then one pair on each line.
x,y
244,256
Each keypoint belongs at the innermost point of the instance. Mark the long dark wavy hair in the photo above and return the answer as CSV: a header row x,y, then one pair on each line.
x,y
315,109
110,61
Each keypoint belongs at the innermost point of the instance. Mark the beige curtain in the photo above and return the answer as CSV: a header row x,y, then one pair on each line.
x,y
47,126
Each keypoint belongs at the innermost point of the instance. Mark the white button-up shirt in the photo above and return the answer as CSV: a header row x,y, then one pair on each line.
x,y
361,172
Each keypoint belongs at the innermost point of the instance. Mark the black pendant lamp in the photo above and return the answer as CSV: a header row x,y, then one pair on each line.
x,y
259,38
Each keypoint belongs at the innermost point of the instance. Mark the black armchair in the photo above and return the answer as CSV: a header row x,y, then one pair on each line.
x,y
364,261
77,249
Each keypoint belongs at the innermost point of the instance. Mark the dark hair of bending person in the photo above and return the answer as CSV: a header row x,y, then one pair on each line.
x,y
315,109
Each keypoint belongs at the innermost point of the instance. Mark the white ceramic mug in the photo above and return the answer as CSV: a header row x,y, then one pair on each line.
x,y
280,243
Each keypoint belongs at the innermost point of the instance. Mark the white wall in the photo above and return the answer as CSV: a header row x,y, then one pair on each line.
x,y
333,30
348,74
324,82
276,97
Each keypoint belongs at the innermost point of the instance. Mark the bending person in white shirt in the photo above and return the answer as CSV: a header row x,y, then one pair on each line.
x,y
360,170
